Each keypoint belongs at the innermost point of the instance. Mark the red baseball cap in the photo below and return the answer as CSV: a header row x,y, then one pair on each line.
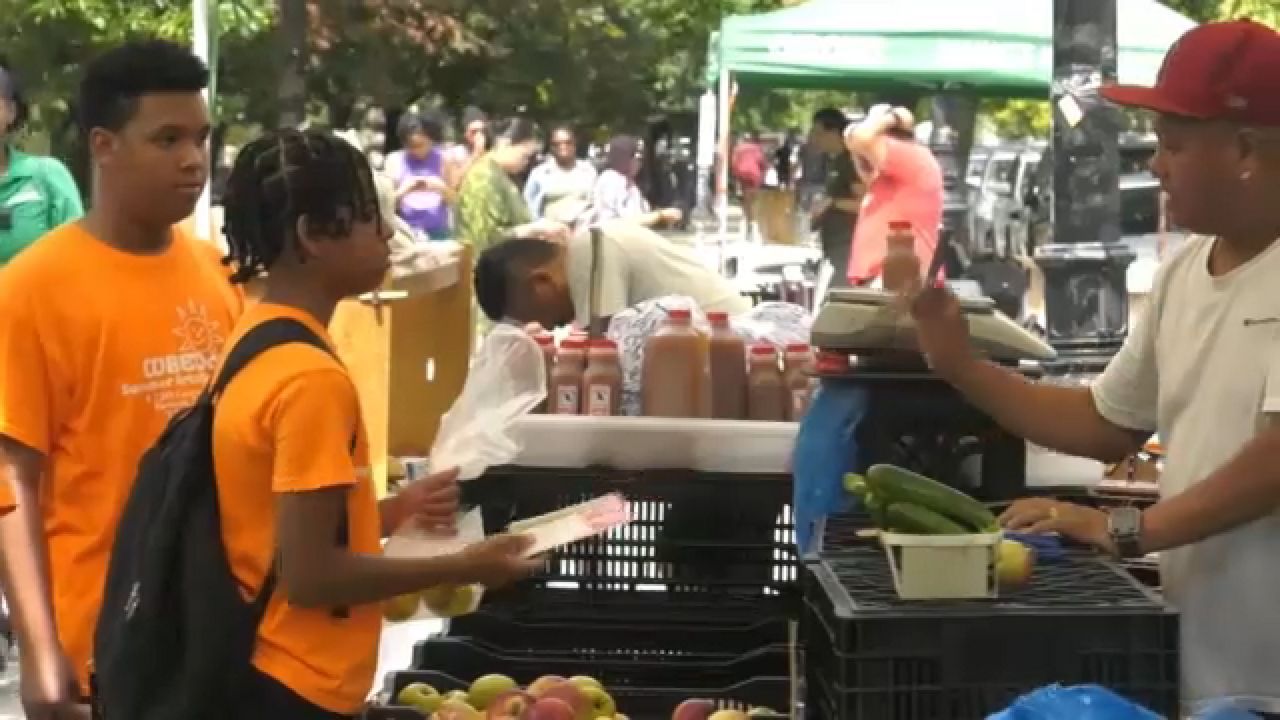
x,y
1218,71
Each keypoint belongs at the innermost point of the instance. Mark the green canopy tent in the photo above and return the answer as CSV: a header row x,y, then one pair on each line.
x,y
1001,48
995,47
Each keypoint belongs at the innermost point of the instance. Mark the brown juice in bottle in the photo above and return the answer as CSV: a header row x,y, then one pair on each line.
x,y
901,271
566,378
547,344
766,395
675,374
602,381
728,353
798,363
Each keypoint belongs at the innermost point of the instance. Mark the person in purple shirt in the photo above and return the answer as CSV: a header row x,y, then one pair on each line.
x,y
422,195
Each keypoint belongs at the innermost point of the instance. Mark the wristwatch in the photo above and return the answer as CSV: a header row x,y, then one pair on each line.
x,y
1124,525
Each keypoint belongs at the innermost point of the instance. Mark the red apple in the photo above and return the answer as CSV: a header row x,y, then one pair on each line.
x,y
572,695
694,709
537,687
550,708
509,705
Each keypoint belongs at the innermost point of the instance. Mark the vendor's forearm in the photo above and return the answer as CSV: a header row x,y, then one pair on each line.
x,y
1058,417
1245,489
848,205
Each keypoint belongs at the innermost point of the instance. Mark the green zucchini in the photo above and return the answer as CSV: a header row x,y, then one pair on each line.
x,y
898,485
855,484
876,509
913,519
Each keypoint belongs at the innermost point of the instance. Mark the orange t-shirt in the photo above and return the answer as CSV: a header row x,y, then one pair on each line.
x,y
284,425
7,502
98,348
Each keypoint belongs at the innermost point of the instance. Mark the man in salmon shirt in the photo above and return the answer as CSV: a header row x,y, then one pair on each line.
x,y
303,206
111,324
904,183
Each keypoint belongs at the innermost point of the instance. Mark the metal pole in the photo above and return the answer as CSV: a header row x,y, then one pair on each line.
x,y
1086,298
200,46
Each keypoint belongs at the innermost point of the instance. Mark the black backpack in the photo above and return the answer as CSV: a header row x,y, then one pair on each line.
x,y
175,637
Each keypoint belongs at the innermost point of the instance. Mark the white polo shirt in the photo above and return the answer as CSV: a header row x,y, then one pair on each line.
x,y
1203,369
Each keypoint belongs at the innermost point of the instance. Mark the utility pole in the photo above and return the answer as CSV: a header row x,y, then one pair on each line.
x,y
291,42
1085,264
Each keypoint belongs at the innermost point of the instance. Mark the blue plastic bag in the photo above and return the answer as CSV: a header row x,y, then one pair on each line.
x,y
1079,702
825,450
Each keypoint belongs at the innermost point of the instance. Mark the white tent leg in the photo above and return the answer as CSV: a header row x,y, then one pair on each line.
x,y
722,168
200,46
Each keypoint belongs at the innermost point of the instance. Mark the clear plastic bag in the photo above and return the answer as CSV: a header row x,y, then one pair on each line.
x,y
506,381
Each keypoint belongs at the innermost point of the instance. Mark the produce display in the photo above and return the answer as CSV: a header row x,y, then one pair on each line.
x,y
901,501
551,697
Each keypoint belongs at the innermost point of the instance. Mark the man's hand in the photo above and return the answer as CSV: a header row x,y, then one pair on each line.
x,y
433,184
49,689
670,215
431,502
500,560
943,331
1044,515
905,120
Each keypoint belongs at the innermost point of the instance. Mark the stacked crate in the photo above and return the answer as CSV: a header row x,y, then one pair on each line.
x,y
694,599
869,655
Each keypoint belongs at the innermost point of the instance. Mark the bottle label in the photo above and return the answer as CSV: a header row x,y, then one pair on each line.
x,y
599,400
567,400
799,401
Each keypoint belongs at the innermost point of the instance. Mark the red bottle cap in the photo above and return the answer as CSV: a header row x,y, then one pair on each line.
x,y
544,339
763,349
573,343
797,347
718,318
679,314
602,344
900,225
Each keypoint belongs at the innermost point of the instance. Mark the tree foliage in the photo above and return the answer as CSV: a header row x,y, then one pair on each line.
x,y
603,64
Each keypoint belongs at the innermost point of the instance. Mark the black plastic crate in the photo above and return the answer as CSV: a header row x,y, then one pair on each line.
x,y
637,703
639,639
691,532
537,603
613,666
870,655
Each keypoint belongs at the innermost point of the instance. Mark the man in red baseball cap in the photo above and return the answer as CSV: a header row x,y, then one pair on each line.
x,y
1202,369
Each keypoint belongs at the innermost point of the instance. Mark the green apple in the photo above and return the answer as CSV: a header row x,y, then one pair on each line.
x,y
585,681
448,601
602,704
401,607
420,696
488,687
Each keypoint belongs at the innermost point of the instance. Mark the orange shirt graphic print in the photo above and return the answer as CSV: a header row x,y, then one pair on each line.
x,y
171,381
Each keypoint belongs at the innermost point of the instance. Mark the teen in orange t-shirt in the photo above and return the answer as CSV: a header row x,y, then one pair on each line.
x,y
110,325
303,206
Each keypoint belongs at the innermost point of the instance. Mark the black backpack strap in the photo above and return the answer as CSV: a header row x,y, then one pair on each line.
x,y
259,339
